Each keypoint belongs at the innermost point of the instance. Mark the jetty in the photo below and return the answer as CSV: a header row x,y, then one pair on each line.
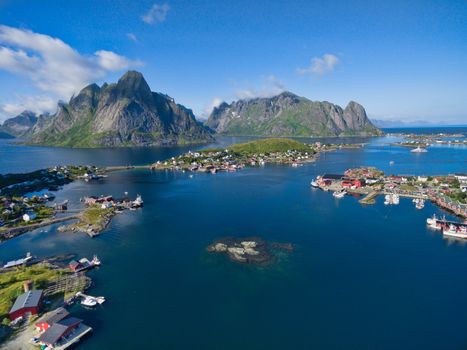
x,y
10,232
369,198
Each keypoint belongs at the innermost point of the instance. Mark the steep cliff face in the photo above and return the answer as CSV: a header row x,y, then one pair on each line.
x,y
290,115
19,125
123,114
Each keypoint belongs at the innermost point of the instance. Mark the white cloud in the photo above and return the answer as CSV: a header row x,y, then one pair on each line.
x,y
132,37
36,104
320,65
112,62
271,86
156,14
216,101
52,65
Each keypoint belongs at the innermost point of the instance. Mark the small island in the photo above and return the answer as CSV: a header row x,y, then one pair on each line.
x,y
248,250
254,153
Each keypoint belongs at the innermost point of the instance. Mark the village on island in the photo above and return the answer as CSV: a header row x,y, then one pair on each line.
x,y
35,293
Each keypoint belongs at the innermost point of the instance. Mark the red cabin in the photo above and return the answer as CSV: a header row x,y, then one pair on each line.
x,y
52,318
26,304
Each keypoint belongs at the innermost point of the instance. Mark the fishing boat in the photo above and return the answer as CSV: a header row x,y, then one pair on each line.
x,y
419,203
433,222
339,194
455,231
419,150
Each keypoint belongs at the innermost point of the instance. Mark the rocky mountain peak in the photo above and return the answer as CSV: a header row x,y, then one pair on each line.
x,y
287,114
133,85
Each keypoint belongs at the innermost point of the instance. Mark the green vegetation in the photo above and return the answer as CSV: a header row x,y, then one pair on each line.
x,y
270,146
459,196
11,283
405,187
95,215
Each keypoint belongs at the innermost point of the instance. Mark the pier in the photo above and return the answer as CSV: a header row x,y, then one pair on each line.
x,y
8,233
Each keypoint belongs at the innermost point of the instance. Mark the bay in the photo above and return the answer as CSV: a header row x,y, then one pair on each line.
x,y
361,277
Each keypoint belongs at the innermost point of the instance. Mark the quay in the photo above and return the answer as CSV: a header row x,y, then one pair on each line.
x,y
8,233
447,192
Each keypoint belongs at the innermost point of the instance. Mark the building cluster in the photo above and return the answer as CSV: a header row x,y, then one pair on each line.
x,y
449,192
226,160
18,210
105,202
55,329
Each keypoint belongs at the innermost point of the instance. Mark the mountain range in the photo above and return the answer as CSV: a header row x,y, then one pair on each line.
x,y
128,113
290,115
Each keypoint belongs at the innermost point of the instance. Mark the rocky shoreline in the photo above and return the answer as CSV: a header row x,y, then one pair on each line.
x,y
248,250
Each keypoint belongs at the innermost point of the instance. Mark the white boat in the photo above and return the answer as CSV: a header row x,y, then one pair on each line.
x,y
339,194
395,199
391,199
95,261
49,196
419,203
313,183
138,202
89,302
419,150
456,232
432,221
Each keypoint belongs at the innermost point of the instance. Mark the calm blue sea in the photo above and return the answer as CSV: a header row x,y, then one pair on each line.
x,y
361,277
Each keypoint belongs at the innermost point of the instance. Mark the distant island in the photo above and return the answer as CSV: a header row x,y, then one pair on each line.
x,y
290,115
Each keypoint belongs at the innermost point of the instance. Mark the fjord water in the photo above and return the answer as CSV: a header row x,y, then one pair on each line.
x,y
361,277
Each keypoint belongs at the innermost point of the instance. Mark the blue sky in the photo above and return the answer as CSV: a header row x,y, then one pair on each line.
x,y
402,60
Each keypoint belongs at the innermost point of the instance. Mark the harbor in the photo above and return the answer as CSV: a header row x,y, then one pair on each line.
x,y
447,191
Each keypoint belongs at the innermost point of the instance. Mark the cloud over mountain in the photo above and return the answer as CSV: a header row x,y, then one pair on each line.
x,y
52,65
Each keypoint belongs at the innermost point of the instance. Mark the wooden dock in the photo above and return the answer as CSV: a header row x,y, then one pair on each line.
x,y
369,198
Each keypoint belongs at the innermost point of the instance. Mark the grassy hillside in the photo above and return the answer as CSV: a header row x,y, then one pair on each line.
x,y
269,146
11,283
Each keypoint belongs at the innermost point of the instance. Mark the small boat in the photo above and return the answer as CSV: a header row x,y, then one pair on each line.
x,y
314,183
419,150
49,196
391,199
339,194
391,162
95,261
89,302
419,203
433,222
138,202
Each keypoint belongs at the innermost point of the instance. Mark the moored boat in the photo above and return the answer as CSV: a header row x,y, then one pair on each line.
x,y
455,231
419,150
339,194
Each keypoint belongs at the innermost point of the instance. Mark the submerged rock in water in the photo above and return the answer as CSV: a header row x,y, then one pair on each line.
x,y
251,250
